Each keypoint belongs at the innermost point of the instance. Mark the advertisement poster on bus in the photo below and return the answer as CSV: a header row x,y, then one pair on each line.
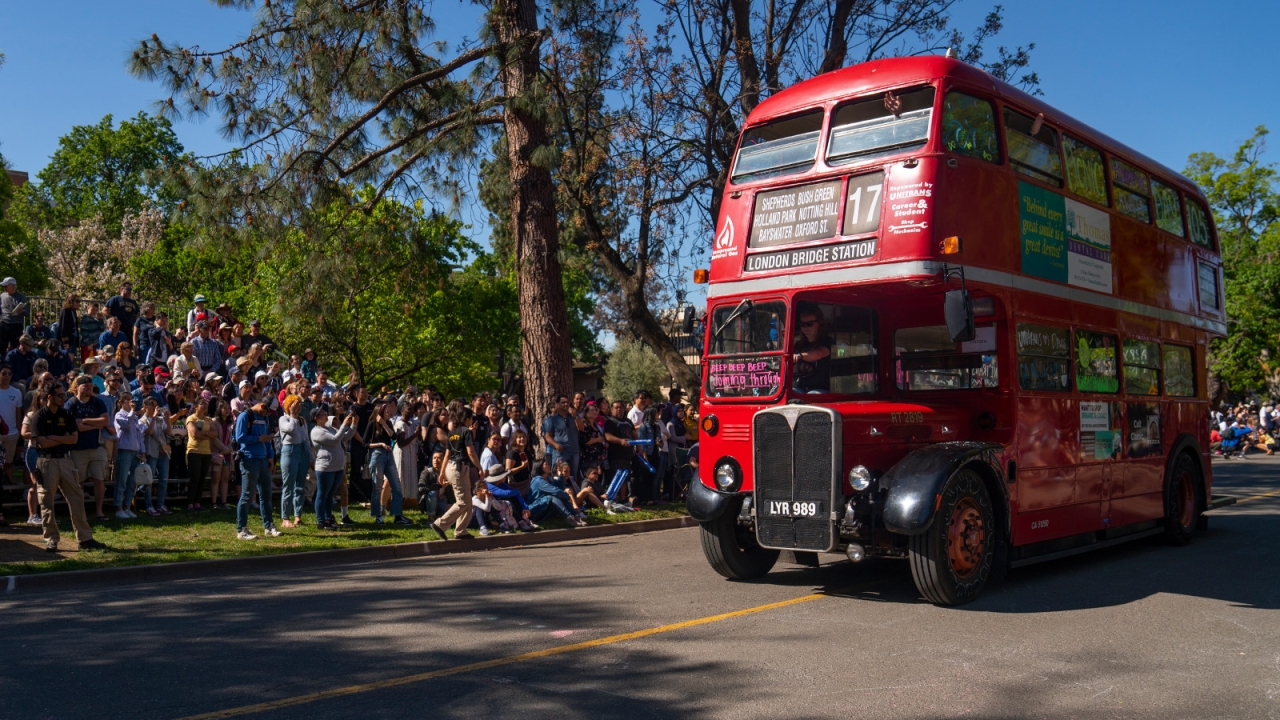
x,y
1064,240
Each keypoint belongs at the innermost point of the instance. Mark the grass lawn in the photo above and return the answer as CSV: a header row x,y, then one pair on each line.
x,y
211,534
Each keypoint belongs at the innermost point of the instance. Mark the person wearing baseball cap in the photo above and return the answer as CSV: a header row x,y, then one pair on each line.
x,y
253,436
13,314
198,313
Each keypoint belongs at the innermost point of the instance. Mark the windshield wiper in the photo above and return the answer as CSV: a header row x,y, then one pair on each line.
x,y
742,307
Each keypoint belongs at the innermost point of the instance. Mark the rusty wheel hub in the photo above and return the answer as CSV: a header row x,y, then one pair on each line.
x,y
966,538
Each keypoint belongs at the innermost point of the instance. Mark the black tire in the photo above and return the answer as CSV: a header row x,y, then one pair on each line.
x,y
941,578
732,550
1183,500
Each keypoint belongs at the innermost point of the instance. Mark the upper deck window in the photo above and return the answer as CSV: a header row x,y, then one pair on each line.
x,y
1198,222
883,125
1168,209
1086,175
969,127
1133,190
1032,154
783,147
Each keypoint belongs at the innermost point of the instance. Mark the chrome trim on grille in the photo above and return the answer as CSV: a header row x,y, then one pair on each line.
x,y
776,466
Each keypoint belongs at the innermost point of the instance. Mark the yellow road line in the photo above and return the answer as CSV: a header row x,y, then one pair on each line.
x,y
508,660
1273,493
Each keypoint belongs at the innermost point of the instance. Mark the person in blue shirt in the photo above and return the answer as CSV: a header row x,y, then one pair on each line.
x,y
549,496
496,479
112,336
253,436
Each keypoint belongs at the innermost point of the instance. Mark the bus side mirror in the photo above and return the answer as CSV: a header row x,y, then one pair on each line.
x,y
958,309
688,320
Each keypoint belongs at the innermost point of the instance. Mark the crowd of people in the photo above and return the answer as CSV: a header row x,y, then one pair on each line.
x,y
113,391
1245,427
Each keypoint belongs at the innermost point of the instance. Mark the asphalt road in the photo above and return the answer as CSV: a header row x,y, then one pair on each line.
x,y
1139,631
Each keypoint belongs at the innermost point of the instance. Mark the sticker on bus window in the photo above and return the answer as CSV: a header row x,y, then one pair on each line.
x,y
796,214
1063,240
1095,416
1144,430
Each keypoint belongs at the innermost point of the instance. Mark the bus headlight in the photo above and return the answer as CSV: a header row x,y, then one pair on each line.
x,y
860,478
727,475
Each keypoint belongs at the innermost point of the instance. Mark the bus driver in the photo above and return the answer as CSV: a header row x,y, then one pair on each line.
x,y
812,352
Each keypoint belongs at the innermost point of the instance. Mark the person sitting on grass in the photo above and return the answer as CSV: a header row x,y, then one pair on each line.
x,y
492,454
499,482
431,485
593,482
549,498
581,494
488,510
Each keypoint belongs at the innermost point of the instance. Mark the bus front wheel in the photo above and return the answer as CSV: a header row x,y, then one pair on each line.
x,y
1183,501
732,550
952,560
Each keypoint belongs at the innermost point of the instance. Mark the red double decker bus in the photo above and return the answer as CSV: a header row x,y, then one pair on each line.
x,y
950,324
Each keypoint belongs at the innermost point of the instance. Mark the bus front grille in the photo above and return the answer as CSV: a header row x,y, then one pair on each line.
x,y
795,464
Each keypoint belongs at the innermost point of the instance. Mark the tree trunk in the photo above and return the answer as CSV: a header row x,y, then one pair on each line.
x,y
544,323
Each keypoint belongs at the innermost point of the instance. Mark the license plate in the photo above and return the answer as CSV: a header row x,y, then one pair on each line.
x,y
798,509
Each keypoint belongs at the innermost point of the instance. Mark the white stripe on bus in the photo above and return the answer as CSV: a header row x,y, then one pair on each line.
x,y
916,268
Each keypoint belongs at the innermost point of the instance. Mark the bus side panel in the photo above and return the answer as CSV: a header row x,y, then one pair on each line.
x,y
1046,453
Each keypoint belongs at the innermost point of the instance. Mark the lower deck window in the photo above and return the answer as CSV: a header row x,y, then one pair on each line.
x,y
928,359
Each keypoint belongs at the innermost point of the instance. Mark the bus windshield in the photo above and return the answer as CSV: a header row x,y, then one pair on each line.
x,y
748,338
879,126
778,148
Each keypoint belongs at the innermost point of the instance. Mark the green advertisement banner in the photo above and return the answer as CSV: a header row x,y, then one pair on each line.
x,y
1042,216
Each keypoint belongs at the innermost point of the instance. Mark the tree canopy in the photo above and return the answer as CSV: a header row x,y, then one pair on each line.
x,y
1242,190
103,170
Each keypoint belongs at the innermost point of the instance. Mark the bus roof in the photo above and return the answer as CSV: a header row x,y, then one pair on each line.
x,y
892,72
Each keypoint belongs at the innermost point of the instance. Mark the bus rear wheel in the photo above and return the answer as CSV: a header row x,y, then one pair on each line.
x,y
732,550
952,560
1182,501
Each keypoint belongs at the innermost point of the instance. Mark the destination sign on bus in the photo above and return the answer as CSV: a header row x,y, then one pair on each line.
x,y
820,255
795,214
738,377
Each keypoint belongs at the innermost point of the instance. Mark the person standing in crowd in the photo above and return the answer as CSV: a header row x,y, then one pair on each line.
x,y
331,460
642,401
593,450
295,457
125,361
129,448
461,464
69,323
363,410
13,314
382,466
124,308
618,432
560,432
142,330
88,454
408,427
55,433
160,343
514,421
200,433
91,327
253,435
309,365
221,461
199,313
12,408
155,440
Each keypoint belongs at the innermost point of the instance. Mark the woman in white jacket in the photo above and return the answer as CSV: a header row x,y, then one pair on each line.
x,y
331,462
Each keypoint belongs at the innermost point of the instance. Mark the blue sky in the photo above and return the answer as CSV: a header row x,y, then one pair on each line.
x,y
1167,77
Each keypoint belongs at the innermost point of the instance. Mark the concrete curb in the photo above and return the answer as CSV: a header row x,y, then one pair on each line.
x,y
194,569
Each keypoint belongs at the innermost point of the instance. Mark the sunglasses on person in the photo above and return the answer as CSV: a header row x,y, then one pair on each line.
x,y
808,323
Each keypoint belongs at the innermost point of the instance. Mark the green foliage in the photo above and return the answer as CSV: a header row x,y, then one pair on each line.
x,y
376,294
1243,193
633,366
102,169
21,258
182,265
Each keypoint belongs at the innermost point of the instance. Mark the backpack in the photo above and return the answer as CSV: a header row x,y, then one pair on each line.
x,y
143,475
1228,434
